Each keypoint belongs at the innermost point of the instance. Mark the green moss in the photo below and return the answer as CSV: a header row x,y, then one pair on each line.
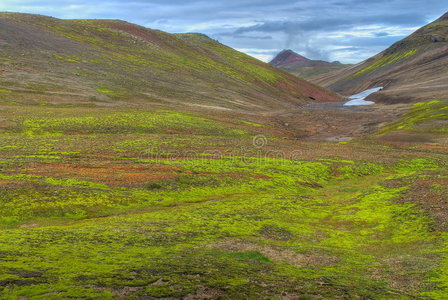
x,y
426,104
75,183
160,291
88,213
245,256
128,122
106,91
252,123
354,225
360,169
273,214
440,277
421,112
66,59
387,59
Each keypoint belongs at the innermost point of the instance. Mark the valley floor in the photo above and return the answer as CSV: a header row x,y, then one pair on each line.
x,y
120,203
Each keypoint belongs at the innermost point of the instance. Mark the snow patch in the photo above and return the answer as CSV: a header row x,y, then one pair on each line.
x,y
359,99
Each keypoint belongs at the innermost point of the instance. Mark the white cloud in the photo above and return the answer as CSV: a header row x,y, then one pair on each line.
x,y
254,50
262,57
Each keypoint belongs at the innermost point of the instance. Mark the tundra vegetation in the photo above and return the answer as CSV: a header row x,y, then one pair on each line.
x,y
136,164
117,203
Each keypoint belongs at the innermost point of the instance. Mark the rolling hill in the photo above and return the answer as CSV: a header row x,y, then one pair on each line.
x,y
411,69
108,60
301,66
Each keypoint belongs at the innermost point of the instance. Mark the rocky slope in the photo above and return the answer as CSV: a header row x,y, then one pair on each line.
x,y
43,58
411,69
301,66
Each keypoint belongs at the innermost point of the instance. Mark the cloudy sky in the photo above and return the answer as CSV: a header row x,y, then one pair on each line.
x,y
345,30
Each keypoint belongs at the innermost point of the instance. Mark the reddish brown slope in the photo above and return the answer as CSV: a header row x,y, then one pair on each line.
x,y
289,57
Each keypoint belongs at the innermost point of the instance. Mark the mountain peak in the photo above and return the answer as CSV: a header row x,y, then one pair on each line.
x,y
287,57
301,66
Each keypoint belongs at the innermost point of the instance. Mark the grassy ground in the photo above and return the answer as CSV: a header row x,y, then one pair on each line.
x,y
107,203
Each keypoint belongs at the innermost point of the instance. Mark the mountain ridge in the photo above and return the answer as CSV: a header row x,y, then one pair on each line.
x,y
412,69
111,60
299,65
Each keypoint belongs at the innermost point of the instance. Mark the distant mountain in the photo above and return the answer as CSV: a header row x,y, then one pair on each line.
x,y
289,58
412,69
301,66
45,59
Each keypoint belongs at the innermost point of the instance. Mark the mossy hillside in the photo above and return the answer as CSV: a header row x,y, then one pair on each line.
x,y
221,54
411,70
421,113
385,60
118,60
419,41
